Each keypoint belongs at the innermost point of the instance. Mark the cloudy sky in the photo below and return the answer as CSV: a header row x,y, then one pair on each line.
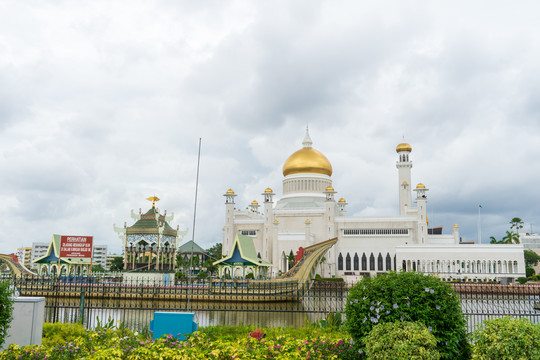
x,y
102,104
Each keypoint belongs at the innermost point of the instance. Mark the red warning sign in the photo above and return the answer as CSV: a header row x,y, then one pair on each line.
x,y
76,246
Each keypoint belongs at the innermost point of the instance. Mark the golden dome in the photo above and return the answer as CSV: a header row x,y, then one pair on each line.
x,y
254,202
342,200
329,188
307,160
275,221
268,190
308,221
403,147
420,186
230,191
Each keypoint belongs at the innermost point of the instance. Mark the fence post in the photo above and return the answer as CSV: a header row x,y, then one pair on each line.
x,y
81,307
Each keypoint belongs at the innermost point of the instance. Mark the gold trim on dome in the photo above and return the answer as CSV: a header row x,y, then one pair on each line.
x,y
329,188
342,200
230,191
403,147
420,186
254,202
268,190
307,160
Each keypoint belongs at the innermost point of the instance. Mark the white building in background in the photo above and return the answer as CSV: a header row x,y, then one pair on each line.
x,y
24,254
308,213
39,249
529,241
99,255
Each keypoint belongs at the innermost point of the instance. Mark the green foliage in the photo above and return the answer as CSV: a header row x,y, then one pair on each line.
x,y
507,338
98,269
401,341
250,276
409,296
215,251
6,309
202,275
56,334
218,342
179,275
332,320
531,258
522,280
117,263
529,271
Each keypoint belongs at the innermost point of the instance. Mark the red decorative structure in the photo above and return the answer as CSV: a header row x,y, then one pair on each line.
x,y
14,257
299,255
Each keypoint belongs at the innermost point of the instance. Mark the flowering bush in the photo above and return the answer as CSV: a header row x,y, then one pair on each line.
x,y
206,344
401,341
507,338
409,296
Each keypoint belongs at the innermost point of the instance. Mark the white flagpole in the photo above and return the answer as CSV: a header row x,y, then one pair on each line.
x,y
479,225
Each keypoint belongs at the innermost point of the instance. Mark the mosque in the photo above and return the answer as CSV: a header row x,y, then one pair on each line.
x,y
308,213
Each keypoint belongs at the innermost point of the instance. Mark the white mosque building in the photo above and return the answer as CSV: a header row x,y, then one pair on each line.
x,y
308,213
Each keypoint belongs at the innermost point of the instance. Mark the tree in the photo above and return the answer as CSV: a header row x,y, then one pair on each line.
x,y
117,263
215,251
515,225
98,268
510,238
531,258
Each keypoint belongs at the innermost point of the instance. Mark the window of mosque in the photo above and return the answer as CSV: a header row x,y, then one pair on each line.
x,y
388,262
371,262
356,267
375,232
340,262
364,262
380,262
348,262
248,232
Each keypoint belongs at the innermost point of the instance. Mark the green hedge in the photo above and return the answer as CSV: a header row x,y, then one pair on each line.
x,y
409,296
507,338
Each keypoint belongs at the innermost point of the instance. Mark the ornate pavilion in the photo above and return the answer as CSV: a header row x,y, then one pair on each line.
x,y
150,243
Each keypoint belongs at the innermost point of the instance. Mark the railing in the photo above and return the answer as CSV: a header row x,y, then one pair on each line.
x,y
232,302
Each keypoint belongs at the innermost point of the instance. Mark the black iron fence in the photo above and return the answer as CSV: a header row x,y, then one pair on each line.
x,y
132,303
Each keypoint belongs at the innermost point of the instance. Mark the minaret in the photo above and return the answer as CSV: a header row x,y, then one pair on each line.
x,y
421,202
404,177
228,229
330,212
268,225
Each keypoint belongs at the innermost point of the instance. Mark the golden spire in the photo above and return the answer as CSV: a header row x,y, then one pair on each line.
x,y
153,199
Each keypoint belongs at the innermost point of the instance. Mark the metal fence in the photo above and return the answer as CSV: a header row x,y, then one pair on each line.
x,y
133,303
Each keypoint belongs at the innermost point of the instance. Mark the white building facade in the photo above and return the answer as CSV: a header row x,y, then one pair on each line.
x,y
308,213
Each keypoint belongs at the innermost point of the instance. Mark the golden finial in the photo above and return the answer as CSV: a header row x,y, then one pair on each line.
x,y
153,199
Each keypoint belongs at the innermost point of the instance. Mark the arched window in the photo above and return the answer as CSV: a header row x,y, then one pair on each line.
x,y
340,262
371,262
414,265
364,262
380,263
348,262
404,265
388,262
356,265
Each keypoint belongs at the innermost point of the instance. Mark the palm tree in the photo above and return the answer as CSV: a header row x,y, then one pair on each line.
x,y
516,224
510,238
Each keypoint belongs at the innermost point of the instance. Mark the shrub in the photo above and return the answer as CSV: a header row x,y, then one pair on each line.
x,y
401,341
529,271
409,296
507,338
55,334
522,280
6,309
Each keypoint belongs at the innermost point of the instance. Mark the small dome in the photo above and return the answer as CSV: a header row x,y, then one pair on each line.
x,y
254,202
404,183
403,147
329,188
342,200
275,221
420,186
268,191
308,221
230,191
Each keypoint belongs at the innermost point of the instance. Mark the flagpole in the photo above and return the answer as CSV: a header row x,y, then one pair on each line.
x,y
479,225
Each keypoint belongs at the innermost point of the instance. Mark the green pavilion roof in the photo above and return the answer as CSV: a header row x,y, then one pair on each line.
x,y
186,248
245,248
